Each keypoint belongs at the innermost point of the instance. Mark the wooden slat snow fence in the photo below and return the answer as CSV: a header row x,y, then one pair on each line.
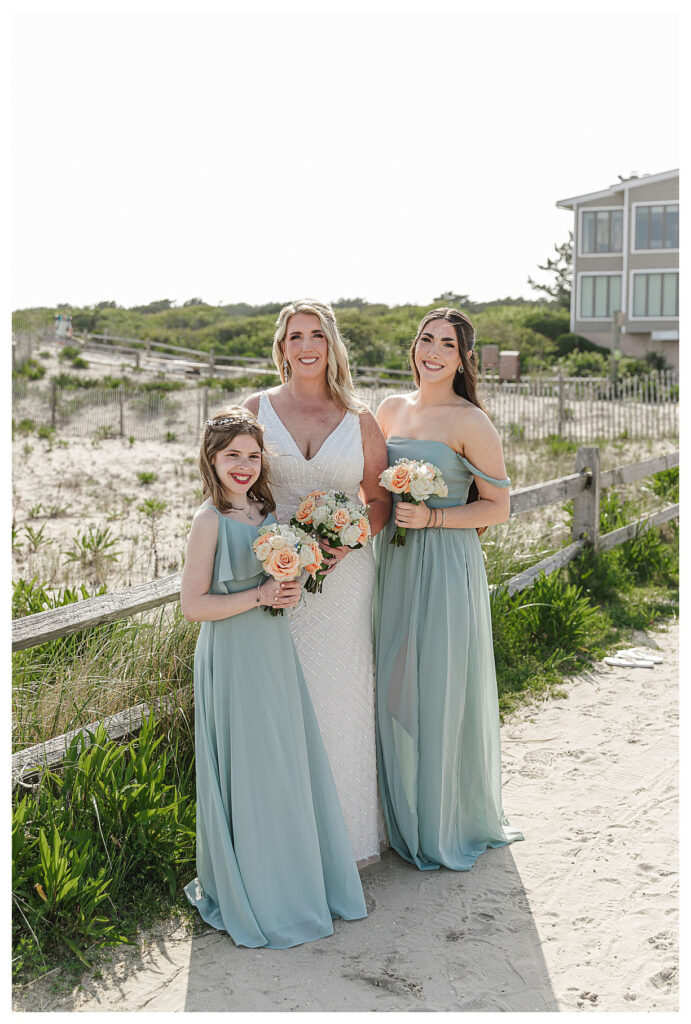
x,y
583,487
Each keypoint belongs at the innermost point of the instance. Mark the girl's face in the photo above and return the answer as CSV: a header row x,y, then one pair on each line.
x,y
305,346
238,465
437,357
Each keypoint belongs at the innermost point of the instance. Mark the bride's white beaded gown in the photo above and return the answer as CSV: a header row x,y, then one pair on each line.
x,y
332,631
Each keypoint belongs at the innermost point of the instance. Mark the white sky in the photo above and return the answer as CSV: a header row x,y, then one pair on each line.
x,y
261,156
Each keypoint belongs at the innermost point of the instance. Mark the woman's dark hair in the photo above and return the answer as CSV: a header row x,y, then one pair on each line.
x,y
464,384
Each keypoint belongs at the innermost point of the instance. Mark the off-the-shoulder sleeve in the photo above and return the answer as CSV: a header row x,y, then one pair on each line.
x,y
506,482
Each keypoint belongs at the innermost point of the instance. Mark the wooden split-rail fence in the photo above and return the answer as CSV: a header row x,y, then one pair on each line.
x,y
583,486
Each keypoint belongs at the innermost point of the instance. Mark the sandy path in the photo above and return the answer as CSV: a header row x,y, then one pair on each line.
x,y
582,915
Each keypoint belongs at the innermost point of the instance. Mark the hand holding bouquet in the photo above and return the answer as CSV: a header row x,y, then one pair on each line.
x,y
414,480
284,552
333,517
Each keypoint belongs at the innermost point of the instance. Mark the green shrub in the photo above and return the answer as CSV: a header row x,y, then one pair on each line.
x,y
666,485
552,323
70,352
569,342
30,369
46,433
26,426
585,364
94,838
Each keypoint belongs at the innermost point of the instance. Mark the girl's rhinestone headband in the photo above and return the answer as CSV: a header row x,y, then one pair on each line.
x,y
231,419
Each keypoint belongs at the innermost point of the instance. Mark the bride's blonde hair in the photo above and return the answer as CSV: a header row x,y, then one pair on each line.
x,y
338,378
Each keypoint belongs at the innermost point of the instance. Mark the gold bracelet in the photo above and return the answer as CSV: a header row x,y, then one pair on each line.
x,y
442,519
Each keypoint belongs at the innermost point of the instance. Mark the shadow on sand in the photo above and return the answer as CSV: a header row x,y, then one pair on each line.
x,y
437,941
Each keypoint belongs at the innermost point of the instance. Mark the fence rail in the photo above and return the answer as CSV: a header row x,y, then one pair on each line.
x,y
583,486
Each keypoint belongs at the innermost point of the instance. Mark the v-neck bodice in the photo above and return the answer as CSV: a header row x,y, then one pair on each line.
x,y
337,465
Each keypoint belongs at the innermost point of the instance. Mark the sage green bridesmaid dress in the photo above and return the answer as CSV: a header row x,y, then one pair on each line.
x,y
438,744
274,862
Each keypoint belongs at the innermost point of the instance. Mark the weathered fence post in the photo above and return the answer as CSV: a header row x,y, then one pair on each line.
x,y
586,505
205,405
53,403
121,399
561,404
211,364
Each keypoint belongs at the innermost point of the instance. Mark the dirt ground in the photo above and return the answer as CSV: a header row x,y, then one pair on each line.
x,y
582,915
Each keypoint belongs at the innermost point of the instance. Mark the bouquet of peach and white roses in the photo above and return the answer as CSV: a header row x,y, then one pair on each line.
x,y
414,480
285,551
339,521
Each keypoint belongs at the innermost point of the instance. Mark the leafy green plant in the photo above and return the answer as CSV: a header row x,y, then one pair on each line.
x,y
26,426
92,550
69,352
666,485
91,839
80,364
170,436
146,477
105,432
46,433
36,538
30,369
153,509
35,511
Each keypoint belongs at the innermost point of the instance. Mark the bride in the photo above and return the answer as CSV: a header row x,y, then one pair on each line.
x,y
320,437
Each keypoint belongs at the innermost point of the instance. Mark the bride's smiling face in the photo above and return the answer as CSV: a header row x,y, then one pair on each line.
x,y
305,346
437,357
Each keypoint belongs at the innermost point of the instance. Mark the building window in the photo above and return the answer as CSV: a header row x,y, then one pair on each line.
x,y
600,295
657,227
656,294
602,231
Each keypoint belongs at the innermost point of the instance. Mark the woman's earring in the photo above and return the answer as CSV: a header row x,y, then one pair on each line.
x,y
460,368
286,369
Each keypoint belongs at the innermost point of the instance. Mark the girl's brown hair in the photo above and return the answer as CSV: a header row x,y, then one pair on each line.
x,y
217,434
464,384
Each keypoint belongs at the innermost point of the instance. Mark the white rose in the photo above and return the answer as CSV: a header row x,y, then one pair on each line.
x,y
420,489
440,488
350,535
320,514
306,556
277,542
263,550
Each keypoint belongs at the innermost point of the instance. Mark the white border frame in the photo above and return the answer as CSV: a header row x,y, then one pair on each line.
x,y
595,273
652,270
599,209
650,252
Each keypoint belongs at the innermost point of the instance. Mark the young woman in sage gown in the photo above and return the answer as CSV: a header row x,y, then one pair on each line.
x,y
274,863
437,713
320,437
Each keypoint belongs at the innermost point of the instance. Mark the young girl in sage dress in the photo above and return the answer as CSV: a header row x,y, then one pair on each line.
x,y
437,711
274,862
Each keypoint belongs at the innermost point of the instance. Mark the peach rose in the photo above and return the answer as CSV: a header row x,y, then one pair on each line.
x,y
317,558
341,518
305,510
400,479
283,564
364,530
316,494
